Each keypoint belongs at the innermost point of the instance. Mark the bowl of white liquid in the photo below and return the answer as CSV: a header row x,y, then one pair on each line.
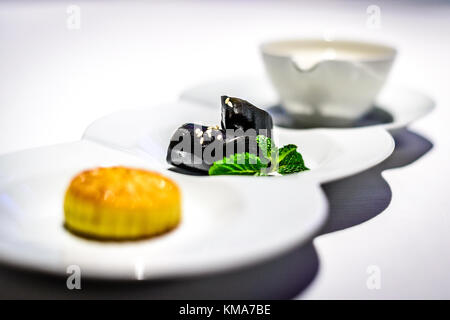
x,y
327,83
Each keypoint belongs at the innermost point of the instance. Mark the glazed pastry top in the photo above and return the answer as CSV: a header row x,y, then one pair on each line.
x,y
123,187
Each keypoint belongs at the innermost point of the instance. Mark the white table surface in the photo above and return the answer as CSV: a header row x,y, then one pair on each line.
x,y
55,81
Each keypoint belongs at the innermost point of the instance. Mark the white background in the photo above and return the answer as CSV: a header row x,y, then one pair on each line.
x,y
54,81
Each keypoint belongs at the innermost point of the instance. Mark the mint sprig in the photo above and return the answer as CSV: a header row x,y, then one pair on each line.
x,y
286,160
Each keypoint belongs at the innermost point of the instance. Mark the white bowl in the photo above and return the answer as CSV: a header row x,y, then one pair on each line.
x,y
327,83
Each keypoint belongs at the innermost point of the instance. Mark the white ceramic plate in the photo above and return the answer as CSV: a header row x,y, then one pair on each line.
x,y
331,153
396,106
228,221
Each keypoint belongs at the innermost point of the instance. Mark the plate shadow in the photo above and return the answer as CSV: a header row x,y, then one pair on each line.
x,y
363,196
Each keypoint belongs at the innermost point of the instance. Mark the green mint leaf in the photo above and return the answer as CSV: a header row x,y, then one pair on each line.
x,y
238,164
290,160
265,144
286,152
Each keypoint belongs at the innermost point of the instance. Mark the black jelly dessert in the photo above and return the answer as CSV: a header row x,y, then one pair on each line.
x,y
196,147
188,143
241,114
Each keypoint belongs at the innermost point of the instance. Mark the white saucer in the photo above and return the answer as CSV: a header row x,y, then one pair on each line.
x,y
228,221
396,106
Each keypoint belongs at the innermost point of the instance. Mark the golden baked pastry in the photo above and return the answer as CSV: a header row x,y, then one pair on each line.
x,y
120,203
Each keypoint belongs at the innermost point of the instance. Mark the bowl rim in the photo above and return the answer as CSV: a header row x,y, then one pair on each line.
x,y
386,52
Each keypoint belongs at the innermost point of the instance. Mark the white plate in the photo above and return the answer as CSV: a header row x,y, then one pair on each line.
x,y
228,221
331,153
396,106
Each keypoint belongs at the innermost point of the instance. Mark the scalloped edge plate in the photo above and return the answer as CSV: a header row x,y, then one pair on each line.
x,y
226,224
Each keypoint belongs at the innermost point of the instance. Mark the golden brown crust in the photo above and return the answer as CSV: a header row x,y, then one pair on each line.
x,y
123,187
119,203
